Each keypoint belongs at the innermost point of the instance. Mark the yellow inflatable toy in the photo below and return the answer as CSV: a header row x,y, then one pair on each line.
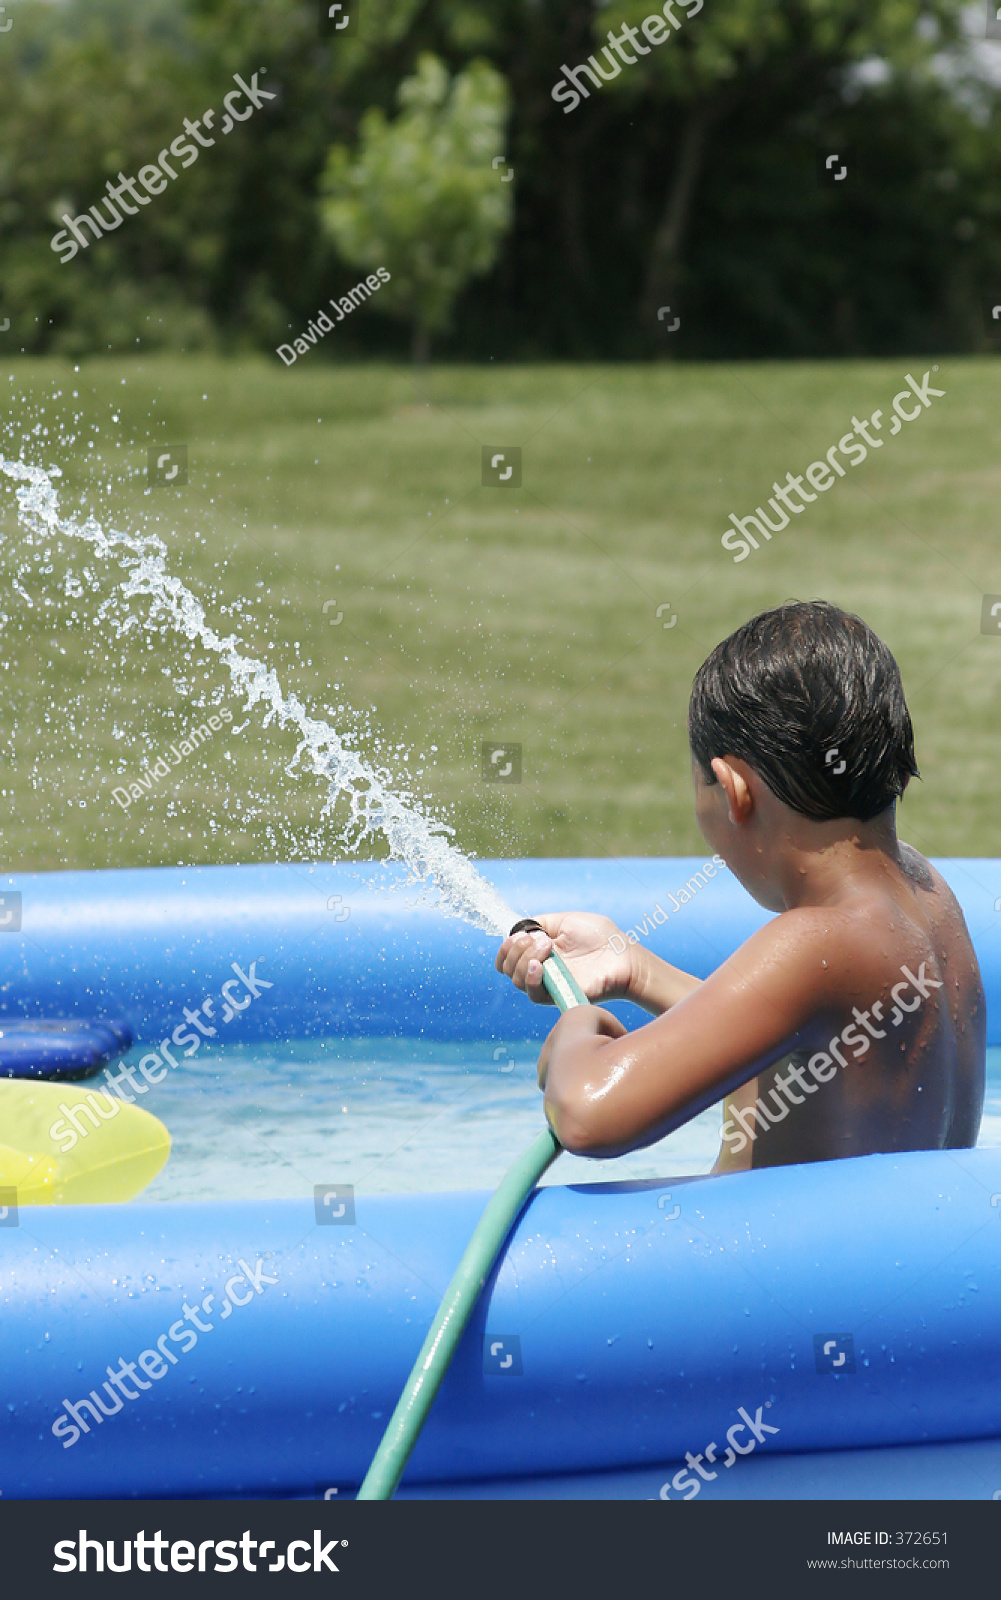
x,y
62,1144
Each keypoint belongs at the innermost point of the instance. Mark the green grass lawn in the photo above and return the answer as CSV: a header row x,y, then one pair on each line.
x,y
470,613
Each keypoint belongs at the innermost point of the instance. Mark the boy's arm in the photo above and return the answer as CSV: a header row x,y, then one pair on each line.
x,y
608,1091
599,958
656,985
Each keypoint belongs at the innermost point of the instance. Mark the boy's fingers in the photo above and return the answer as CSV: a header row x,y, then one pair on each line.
x,y
510,952
535,955
534,949
519,953
538,949
533,983
520,958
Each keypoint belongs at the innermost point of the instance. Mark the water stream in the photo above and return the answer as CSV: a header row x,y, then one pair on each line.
x,y
447,877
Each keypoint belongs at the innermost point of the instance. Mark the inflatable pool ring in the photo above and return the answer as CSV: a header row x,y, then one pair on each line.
x,y
60,1048
614,1336
827,1329
61,1145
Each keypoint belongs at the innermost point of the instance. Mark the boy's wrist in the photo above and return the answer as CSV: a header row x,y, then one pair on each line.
x,y
639,975
654,984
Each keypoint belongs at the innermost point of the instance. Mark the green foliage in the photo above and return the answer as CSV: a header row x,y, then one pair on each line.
x,y
724,44
688,179
421,196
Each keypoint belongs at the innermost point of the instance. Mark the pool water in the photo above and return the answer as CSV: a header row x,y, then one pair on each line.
x,y
388,1115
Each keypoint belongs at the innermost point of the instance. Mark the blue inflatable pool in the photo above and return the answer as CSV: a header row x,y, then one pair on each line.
x,y
64,1049
822,1331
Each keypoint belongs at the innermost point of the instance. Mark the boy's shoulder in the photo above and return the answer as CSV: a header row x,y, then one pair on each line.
x,y
908,915
918,870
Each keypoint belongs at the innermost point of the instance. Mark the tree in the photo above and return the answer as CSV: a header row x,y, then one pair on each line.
x,y
759,50
423,196
688,179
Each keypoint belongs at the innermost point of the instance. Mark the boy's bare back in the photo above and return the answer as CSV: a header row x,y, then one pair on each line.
x,y
918,1087
854,1021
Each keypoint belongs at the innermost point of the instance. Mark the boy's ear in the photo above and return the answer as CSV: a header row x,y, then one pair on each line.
x,y
739,800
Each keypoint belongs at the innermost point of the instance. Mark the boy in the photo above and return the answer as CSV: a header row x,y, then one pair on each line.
x,y
855,1020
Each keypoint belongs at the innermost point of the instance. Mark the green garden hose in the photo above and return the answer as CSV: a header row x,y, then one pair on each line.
x,y
477,1262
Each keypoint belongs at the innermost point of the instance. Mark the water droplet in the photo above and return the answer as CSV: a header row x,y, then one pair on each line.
x,y
446,876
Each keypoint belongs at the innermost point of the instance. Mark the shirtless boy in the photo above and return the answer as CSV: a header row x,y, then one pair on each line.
x,y
854,1021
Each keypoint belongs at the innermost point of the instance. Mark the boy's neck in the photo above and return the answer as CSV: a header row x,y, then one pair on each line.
x,y
816,863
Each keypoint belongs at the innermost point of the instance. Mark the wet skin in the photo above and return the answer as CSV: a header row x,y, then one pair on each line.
x,y
854,907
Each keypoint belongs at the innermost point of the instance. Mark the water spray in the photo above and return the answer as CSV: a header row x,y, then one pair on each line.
x,y
413,838
419,841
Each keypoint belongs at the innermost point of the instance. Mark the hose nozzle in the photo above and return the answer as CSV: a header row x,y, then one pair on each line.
x,y
559,981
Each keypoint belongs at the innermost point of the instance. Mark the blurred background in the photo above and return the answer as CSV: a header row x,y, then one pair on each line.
x,y
665,298
692,174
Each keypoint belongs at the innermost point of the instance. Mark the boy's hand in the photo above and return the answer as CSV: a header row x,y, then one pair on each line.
x,y
581,938
579,1022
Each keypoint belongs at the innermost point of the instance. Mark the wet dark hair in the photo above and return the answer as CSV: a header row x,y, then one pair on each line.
x,y
812,700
